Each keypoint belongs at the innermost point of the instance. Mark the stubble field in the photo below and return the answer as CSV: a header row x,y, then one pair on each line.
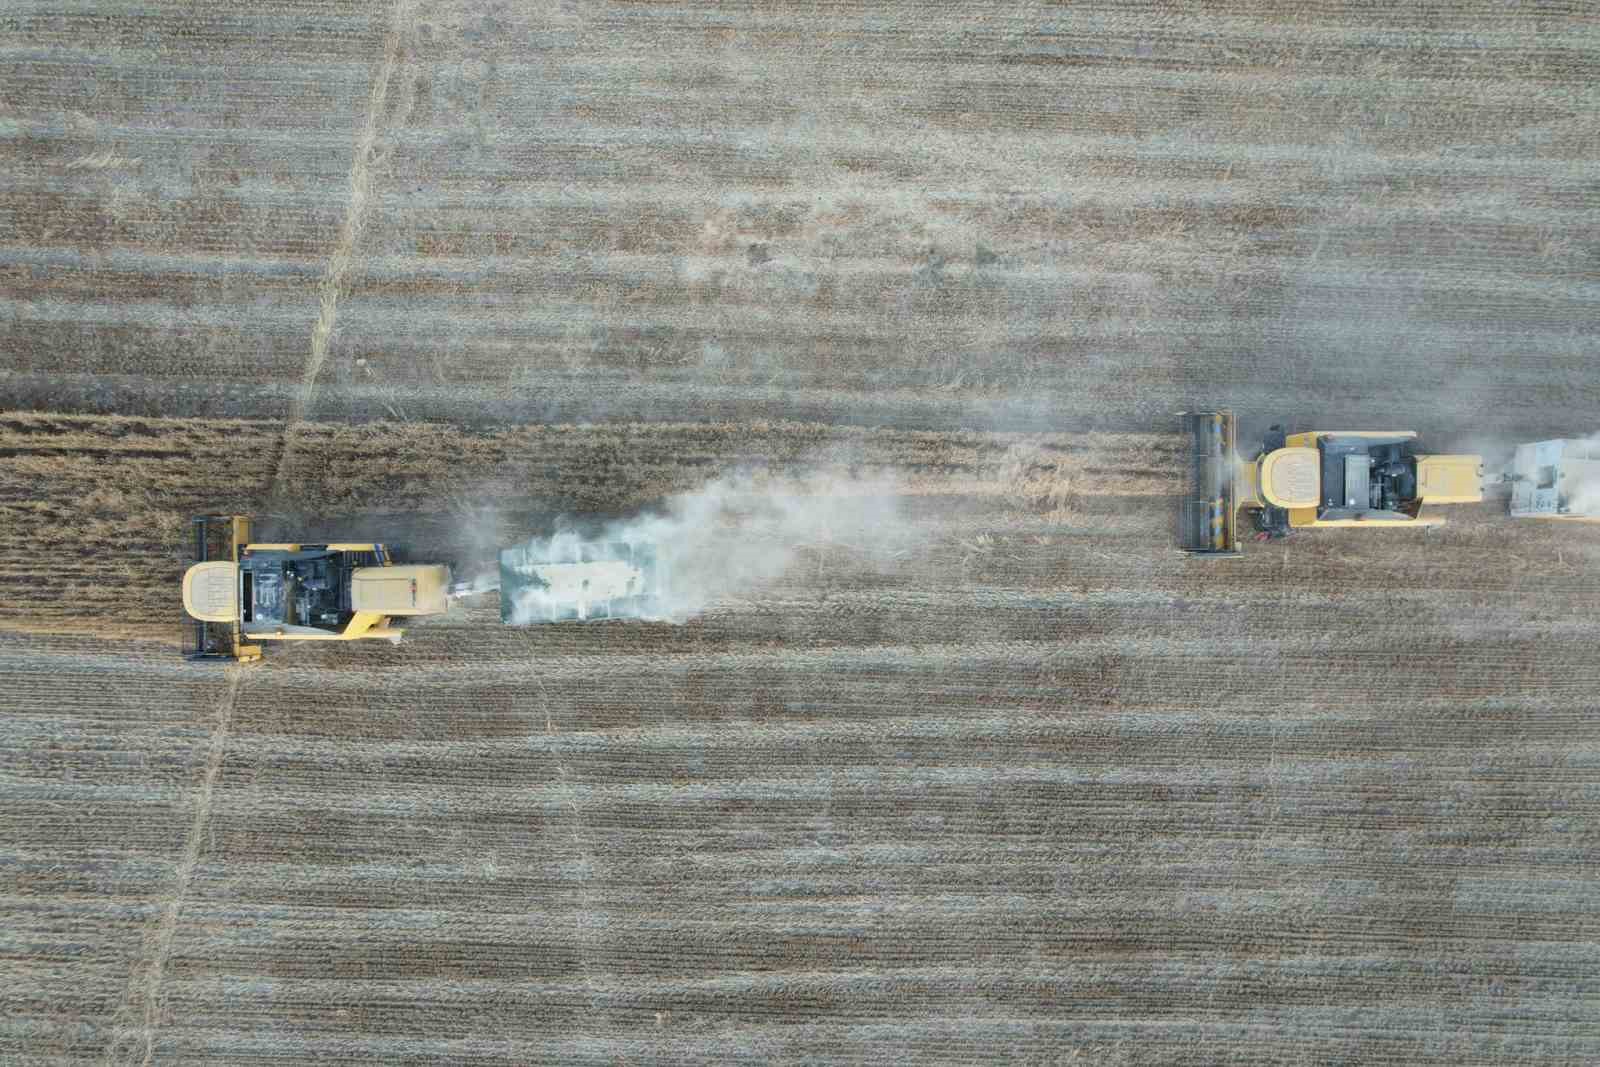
x,y
1034,788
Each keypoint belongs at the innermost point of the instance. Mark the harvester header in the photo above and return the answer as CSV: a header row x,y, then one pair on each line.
x,y
1209,512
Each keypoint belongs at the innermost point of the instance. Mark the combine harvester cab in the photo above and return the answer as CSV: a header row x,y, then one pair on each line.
x,y
1557,479
239,592
568,579
1368,478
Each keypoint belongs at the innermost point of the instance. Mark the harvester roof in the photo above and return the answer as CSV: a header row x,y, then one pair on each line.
x,y
211,591
1291,477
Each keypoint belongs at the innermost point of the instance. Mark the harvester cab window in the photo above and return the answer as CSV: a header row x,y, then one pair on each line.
x,y
1358,487
1369,478
305,588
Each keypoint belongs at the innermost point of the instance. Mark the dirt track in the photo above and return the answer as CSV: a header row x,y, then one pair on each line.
x,y
1038,790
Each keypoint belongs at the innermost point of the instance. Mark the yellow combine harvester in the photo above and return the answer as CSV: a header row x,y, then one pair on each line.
x,y
1321,478
239,592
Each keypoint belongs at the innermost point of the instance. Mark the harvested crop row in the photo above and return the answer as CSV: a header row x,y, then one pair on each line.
x,y
109,498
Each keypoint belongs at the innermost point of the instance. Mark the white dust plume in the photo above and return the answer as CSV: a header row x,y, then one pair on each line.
x,y
729,539
1582,466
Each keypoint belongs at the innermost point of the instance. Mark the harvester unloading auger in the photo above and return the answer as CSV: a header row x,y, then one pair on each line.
x,y
1317,478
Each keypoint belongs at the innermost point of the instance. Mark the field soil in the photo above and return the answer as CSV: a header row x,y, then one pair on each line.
x,y
1033,787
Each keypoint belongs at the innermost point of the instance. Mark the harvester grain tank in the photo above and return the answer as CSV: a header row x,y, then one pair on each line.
x,y
1557,479
239,592
1369,478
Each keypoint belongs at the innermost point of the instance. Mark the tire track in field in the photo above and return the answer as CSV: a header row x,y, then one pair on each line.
x,y
144,986
370,154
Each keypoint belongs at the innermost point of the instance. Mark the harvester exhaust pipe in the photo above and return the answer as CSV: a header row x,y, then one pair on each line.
x,y
1208,515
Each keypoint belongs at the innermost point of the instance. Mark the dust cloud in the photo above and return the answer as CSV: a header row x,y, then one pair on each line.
x,y
731,538
1583,470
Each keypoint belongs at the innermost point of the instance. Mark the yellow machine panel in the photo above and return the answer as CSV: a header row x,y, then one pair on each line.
x,y
1450,479
401,590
